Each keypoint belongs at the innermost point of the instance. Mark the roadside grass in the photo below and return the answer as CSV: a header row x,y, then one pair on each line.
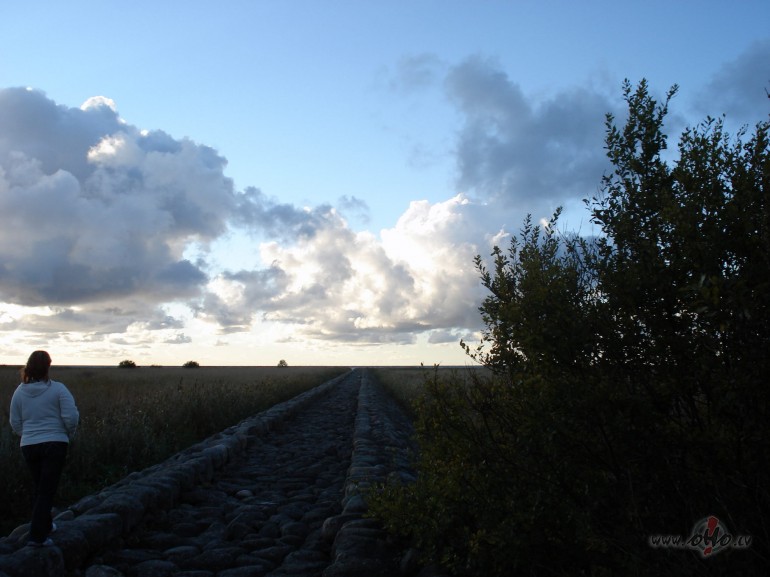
x,y
407,384
133,418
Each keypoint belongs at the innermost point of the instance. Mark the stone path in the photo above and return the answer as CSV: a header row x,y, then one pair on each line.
x,y
286,500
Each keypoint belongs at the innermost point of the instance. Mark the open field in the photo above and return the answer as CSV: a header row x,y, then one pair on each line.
x,y
133,418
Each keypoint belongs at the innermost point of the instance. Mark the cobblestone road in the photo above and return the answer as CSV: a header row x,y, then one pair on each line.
x,y
289,504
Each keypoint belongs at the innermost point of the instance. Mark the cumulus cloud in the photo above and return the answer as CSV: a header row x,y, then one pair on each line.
x,y
345,286
97,215
108,212
95,209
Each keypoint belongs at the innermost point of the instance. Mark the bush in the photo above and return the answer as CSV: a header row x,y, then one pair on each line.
x,y
127,364
630,395
191,365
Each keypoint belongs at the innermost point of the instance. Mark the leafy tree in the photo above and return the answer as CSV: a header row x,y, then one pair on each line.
x,y
629,396
127,364
283,363
536,315
683,271
191,365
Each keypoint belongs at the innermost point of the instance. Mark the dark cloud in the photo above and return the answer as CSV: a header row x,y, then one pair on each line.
x,y
444,336
177,277
161,322
57,137
522,154
256,211
96,321
738,87
399,334
356,207
236,297
178,339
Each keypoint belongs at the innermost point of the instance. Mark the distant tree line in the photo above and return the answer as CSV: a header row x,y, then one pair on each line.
x,y
129,364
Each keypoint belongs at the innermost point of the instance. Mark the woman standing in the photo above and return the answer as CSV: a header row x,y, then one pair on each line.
x,y
44,414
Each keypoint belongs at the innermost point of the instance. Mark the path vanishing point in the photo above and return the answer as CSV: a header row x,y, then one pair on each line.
x,y
279,494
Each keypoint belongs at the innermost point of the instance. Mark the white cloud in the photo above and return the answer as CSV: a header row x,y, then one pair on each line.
x,y
345,286
98,102
114,151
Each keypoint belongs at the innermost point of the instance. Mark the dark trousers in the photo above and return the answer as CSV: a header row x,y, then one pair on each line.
x,y
45,462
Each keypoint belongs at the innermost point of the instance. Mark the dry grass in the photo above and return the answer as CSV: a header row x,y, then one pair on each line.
x,y
407,384
133,418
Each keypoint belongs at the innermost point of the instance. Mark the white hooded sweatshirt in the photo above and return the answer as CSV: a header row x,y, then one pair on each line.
x,y
43,411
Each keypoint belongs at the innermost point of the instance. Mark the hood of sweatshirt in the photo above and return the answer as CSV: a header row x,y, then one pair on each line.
x,y
35,388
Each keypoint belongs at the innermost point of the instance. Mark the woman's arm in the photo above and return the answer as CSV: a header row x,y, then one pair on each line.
x,y
69,411
15,418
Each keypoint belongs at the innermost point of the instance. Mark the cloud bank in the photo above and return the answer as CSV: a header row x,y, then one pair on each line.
x,y
100,219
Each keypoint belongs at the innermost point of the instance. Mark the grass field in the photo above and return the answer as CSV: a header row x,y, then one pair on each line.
x,y
406,384
133,418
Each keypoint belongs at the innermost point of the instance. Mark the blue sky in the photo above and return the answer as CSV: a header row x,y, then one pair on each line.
x,y
309,181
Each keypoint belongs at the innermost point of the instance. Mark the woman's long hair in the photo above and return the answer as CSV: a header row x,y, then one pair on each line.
x,y
37,367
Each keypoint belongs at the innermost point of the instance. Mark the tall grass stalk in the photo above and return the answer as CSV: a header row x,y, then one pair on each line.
x,y
134,418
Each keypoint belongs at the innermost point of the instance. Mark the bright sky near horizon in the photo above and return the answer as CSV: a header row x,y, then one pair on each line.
x,y
247,181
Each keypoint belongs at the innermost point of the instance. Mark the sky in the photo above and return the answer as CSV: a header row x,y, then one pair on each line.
x,y
243,182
